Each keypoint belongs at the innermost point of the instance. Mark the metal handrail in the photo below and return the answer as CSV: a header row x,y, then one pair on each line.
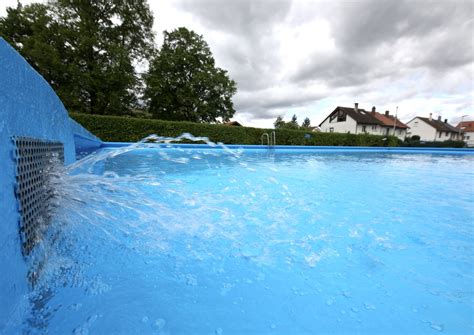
x,y
271,139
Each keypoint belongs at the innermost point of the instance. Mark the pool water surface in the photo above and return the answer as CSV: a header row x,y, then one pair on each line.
x,y
212,241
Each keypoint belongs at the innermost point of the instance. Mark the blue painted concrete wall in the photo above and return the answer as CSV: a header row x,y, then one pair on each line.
x,y
84,141
28,107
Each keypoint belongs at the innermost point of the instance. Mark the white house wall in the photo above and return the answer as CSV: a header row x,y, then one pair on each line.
x,y
422,129
446,136
369,129
348,126
469,138
351,126
429,133
400,133
381,130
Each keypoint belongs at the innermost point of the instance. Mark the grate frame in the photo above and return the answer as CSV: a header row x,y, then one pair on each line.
x,y
33,159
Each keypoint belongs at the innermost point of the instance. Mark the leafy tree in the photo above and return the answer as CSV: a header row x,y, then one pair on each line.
x,y
183,82
294,119
35,34
293,124
306,123
85,49
279,123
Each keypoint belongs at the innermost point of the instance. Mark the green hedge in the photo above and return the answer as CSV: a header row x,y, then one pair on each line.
x,y
126,129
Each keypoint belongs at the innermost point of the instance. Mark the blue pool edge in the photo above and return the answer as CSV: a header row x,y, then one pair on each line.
x,y
425,150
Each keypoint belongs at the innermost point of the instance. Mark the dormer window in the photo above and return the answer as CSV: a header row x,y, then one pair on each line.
x,y
341,116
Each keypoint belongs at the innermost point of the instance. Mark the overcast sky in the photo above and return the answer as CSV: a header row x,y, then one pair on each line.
x,y
307,57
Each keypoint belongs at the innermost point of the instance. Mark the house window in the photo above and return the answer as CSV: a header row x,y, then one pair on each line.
x,y
467,137
416,123
440,133
399,131
447,134
364,129
331,130
374,127
341,116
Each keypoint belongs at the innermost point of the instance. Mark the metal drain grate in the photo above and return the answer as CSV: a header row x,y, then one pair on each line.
x,y
34,158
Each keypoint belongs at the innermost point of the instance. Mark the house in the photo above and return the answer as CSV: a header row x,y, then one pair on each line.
x,y
430,129
391,124
313,129
233,124
355,120
467,130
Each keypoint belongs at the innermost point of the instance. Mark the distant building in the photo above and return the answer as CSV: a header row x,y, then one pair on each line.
x,y
314,129
467,131
233,123
355,120
430,129
391,125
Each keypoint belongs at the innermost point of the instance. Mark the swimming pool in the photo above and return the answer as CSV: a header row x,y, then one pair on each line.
x,y
198,240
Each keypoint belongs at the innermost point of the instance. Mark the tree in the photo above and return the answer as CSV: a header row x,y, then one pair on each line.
x,y
35,34
183,82
306,123
279,123
85,49
294,122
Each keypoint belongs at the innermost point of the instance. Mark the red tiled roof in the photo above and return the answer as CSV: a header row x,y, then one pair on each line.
x,y
389,120
466,126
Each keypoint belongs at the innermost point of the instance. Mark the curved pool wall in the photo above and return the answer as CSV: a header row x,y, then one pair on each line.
x,y
30,108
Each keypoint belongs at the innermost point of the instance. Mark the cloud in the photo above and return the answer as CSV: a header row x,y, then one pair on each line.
x,y
290,56
246,17
306,57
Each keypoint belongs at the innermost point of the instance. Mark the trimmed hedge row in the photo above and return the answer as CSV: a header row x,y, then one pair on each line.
x,y
126,129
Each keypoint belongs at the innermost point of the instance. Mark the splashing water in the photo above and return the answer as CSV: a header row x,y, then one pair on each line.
x,y
151,238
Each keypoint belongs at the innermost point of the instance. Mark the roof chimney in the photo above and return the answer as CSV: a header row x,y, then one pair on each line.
x,y
445,120
387,113
439,117
356,106
373,109
431,116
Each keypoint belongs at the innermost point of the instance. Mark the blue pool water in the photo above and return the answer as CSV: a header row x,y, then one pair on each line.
x,y
212,241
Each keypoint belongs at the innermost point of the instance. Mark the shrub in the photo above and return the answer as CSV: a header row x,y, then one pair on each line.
x,y
127,129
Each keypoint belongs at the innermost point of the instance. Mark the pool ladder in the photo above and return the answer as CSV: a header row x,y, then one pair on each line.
x,y
271,139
